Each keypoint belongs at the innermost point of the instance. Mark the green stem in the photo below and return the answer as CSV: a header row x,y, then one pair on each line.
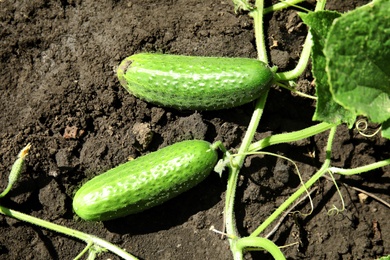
x,y
86,249
305,55
289,137
281,5
229,217
302,63
238,162
361,169
257,15
302,189
255,243
67,231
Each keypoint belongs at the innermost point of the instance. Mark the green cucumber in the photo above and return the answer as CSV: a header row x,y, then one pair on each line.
x,y
196,83
145,182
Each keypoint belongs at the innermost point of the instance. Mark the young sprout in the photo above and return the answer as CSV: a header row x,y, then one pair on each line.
x,y
16,169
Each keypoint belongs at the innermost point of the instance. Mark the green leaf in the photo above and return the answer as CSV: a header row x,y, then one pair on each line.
x,y
327,109
242,5
357,52
386,130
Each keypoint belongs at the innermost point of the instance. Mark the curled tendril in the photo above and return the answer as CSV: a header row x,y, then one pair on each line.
x,y
362,125
335,210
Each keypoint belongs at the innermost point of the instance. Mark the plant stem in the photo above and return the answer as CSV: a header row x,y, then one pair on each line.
x,y
238,162
259,242
67,231
257,15
305,55
289,137
302,63
281,5
361,169
302,189
287,212
229,217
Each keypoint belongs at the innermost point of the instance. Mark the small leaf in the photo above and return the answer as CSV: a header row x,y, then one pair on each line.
x,y
242,5
223,163
357,51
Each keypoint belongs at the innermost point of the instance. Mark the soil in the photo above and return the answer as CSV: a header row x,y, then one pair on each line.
x,y
60,93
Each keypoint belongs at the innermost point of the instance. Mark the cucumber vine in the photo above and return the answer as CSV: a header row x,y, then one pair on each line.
x,y
246,147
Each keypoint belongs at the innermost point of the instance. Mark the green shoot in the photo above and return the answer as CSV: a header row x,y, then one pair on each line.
x,y
254,243
289,137
281,5
242,5
16,169
238,245
289,211
361,169
257,15
239,160
305,54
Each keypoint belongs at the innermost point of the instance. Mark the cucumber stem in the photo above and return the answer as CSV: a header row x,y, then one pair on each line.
x,y
289,137
238,162
360,169
302,189
67,231
305,54
281,5
257,15
234,169
259,242
229,218
302,63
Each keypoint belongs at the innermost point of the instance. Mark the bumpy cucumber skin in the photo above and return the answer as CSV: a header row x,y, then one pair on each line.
x,y
146,181
195,83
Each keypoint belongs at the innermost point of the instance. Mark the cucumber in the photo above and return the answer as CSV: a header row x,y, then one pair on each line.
x,y
195,83
145,182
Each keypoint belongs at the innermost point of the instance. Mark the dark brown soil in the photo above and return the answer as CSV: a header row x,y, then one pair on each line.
x,y
60,92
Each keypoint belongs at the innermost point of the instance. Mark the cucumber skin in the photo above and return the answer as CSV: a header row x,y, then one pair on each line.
x,y
195,83
145,182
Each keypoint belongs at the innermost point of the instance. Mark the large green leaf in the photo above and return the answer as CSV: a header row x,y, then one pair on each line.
x,y
327,109
357,52
386,129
